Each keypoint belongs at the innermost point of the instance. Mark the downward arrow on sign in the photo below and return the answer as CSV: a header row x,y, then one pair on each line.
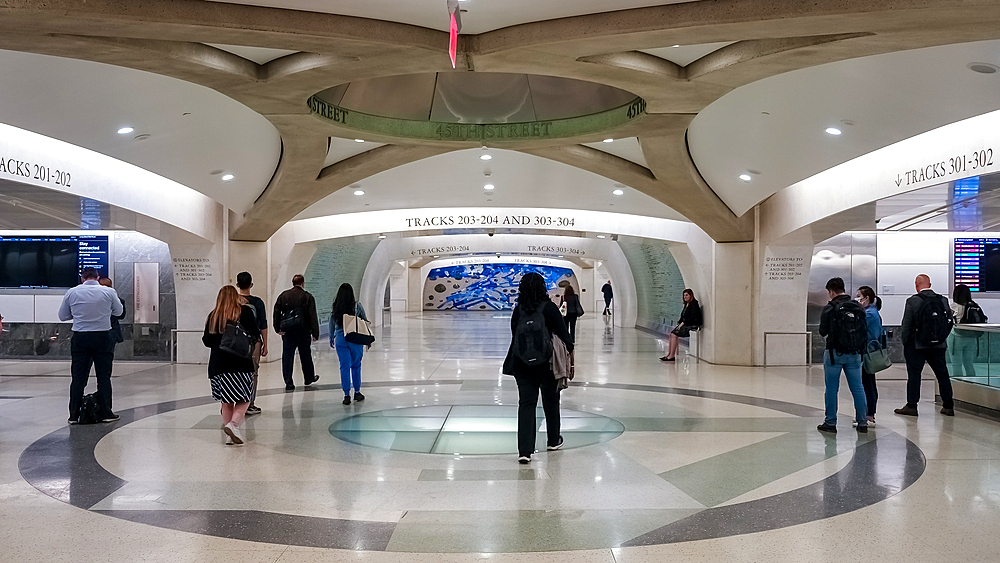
x,y
899,180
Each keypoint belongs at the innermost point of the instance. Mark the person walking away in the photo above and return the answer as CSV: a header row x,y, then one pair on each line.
x,y
608,296
349,353
533,322
690,319
117,336
244,283
871,303
231,375
296,321
927,321
573,309
844,325
965,343
90,306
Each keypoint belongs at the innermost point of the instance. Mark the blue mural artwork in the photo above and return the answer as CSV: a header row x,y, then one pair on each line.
x,y
487,286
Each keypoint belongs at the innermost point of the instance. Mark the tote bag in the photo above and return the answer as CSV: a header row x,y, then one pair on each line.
x,y
876,357
358,330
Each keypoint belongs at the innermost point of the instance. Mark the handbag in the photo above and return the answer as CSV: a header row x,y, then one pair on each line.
x,y
563,308
876,359
291,319
236,341
578,307
358,330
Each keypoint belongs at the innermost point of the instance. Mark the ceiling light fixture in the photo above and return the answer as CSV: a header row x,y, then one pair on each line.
x,y
619,192
488,187
984,68
832,131
600,236
227,177
359,140
485,157
359,192
381,237
125,130
609,140
746,177
674,46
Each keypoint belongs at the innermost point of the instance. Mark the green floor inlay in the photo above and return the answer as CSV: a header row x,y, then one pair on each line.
x,y
467,429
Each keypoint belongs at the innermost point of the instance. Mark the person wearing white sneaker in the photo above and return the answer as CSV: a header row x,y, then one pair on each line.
x,y
231,374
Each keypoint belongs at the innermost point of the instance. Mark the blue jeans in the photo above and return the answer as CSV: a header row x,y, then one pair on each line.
x,y
833,363
350,363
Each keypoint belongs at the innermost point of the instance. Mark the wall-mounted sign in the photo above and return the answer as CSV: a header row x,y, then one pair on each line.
x,y
490,221
945,170
19,170
478,132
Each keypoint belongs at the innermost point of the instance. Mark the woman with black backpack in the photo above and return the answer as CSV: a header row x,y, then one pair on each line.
x,y
534,320
965,346
230,324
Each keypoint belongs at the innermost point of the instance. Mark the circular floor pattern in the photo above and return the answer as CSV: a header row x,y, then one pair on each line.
x,y
467,429
64,466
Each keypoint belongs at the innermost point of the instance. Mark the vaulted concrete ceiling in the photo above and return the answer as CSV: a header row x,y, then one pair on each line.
x,y
170,37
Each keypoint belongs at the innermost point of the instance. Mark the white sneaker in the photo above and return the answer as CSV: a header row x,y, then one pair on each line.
x,y
233,432
229,441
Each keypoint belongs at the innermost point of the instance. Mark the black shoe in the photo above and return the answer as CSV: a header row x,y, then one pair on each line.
x,y
948,412
289,388
347,399
524,459
666,359
113,418
827,428
313,380
73,421
253,410
907,410
359,397
557,446
862,429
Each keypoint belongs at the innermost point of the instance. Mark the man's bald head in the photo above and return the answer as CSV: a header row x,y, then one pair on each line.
x,y
922,282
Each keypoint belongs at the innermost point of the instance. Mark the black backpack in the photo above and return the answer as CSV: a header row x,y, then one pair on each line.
x,y
848,327
934,321
973,314
90,410
532,339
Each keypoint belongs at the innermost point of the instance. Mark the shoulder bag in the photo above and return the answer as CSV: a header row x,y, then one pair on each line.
x,y
236,341
358,330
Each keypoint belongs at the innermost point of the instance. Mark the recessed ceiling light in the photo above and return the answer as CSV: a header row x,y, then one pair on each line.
x,y
600,236
485,157
142,137
437,256
381,237
488,187
746,177
359,140
125,130
984,68
674,46
359,192
609,140
619,192
832,131
227,177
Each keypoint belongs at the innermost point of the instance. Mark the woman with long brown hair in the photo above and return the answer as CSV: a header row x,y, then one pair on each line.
x,y
690,320
573,309
231,374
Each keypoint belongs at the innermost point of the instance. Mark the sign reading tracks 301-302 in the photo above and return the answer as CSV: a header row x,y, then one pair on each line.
x,y
479,132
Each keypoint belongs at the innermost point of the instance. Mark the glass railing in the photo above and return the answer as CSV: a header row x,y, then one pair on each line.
x,y
974,354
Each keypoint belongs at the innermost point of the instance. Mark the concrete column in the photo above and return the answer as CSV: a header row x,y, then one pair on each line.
x,y
727,334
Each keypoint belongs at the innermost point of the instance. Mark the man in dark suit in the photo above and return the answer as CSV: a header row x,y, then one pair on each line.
x,y
296,321
917,351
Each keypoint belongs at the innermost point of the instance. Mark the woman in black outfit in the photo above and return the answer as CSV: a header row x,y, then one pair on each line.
x,y
533,295
231,375
572,301
690,319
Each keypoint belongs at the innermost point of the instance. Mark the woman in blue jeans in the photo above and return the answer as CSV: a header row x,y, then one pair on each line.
x,y
350,354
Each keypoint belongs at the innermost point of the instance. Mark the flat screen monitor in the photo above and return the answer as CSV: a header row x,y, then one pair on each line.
x,y
977,263
50,261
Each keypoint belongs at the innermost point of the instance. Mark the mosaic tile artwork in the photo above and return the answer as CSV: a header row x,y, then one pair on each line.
x,y
475,287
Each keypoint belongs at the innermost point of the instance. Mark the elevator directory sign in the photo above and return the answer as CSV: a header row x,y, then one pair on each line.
x,y
977,263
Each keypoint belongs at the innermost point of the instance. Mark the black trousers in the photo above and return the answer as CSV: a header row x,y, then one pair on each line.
x,y
528,387
571,326
915,360
298,340
607,305
871,392
91,349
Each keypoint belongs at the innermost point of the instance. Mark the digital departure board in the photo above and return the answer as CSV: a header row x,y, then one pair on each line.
x,y
977,263
51,261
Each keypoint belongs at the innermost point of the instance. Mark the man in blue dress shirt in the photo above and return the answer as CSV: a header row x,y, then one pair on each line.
x,y
90,306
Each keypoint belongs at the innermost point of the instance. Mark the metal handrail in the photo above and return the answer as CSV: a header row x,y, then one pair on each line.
x,y
173,341
809,342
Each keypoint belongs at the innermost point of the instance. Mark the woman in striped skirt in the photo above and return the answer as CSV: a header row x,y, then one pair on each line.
x,y
231,375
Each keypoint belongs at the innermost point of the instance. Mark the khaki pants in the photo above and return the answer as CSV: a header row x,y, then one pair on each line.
x,y
257,347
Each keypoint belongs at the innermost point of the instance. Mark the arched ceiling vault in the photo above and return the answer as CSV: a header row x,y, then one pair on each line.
x,y
169,37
